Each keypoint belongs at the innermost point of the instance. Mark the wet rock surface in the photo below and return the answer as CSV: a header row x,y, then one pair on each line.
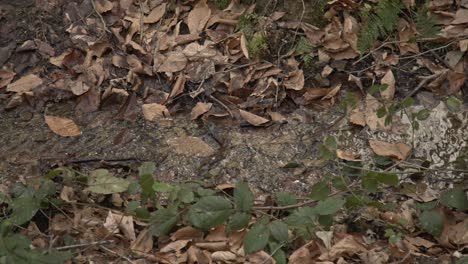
x,y
217,153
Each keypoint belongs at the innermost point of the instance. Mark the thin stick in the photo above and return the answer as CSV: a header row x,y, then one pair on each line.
x,y
85,244
425,79
222,104
376,49
100,17
117,254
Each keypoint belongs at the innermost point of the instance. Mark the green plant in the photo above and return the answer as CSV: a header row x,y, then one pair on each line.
x,y
425,23
303,49
257,45
221,4
379,22
247,23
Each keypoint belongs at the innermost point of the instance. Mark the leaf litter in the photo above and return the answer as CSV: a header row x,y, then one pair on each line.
x,y
197,49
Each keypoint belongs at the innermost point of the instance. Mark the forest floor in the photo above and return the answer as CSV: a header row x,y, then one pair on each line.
x,y
128,129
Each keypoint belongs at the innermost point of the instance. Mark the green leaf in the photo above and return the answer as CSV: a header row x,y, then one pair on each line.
x,y
387,178
257,238
186,195
285,199
205,192
325,220
142,213
147,168
161,187
407,102
381,112
329,206
330,142
243,197
426,206
163,220
302,216
146,180
209,211
375,88
101,181
455,198
24,208
370,183
382,161
319,191
133,187
453,104
279,231
432,222
354,202
277,253
340,183
238,221
325,153
423,114
388,120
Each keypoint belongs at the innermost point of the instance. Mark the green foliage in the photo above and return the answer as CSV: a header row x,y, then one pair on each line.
x,y
101,181
209,212
320,191
453,104
257,237
432,222
455,198
303,49
247,23
393,237
425,23
379,22
257,45
243,197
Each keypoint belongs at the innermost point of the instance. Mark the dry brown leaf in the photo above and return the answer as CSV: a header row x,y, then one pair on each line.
x,y
295,80
374,257
6,76
155,112
406,33
456,81
374,122
252,118
62,126
357,116
347,155
67,194
173,62
243,44
195,255
25,84
179,86
332,92
327,70
305,254
187,232
175,246
315,93
192,146
224,256
348,245
156,14
394,150
389,80
461,17
143,242
198,17
200,109
103,6
261,257
79,87
115,222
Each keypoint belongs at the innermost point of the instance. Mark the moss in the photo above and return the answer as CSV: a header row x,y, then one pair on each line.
x,y
257,45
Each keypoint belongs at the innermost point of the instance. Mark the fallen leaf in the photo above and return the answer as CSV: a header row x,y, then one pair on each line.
x,y
252,118
115,222
372,120
173,62
79,87
223,256
103,182
191,146
305,254
154,112
327,70
195,255
179,86
156,14
395,150
175,246
461,17
315,93
347,155
103,6
346,246
243,44
295,80
198,17
143,242
62,126
187,233
199,109
6,76
389,80
25,84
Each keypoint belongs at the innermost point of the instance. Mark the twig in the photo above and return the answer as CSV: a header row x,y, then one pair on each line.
x,y
425,79
293,206
100,17
117,254
85,244
427,51
376,49
222,104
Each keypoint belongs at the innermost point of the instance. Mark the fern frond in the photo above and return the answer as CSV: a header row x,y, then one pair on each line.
x,y
426,24
379,24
